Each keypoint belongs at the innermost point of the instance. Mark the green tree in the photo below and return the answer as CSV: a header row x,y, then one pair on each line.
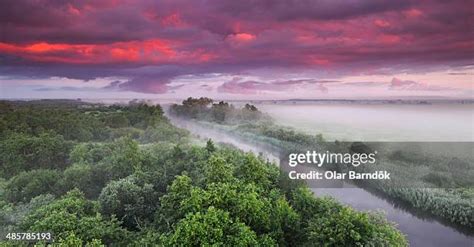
x,y
125,158
90,153
271,216
12,214
27,185
87,178
217,170
343,227
210,147
131,200
147,237
74,214
20,152
328,223
258,172
242,201
212,228
116,120
171,210
221,111
70,239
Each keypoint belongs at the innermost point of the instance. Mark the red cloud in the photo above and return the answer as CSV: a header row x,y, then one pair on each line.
x,y
381,23
389,39
241,37
149,51
413,13
126,38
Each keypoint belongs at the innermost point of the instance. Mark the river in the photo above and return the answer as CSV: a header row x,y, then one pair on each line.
x,y
421,230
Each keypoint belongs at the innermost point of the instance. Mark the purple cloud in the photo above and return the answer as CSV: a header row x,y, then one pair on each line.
x,y
237,86
397,84
150,43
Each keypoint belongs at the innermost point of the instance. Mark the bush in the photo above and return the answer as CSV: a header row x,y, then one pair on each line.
x,y
73,214
21,152
131,200
87,178
212,228
27,185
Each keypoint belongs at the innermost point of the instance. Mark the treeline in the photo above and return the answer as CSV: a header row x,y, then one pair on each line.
x,y
121,192
42,134
84,121
221,112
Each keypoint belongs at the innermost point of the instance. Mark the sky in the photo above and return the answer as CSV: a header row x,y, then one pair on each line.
x,y
244,49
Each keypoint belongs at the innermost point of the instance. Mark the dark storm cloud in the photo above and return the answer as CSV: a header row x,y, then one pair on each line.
x,y
308,9
152,42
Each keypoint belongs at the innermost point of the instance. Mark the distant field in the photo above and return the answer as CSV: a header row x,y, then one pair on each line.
x,y
365,122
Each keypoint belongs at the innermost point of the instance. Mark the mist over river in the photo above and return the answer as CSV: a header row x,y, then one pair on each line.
x,y
377,122
368,122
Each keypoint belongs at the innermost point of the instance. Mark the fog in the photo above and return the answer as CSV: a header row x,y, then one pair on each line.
x,y
204,133
378,122
367,122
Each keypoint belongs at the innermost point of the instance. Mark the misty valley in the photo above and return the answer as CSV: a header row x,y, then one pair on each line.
x,y
136,174
95,175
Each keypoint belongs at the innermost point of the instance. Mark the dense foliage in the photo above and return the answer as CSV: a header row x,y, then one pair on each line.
x,y
84,122
221,112
126,191
41,134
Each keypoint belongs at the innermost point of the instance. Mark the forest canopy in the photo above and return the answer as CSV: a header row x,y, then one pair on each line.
x,y
123,175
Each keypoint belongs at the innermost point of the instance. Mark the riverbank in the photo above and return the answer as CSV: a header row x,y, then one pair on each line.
x,y
420,228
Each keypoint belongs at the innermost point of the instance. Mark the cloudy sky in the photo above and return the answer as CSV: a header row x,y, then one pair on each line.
x,y
244,49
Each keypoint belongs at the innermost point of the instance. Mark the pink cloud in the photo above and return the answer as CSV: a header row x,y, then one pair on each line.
x,y
150,51
413,13
237,86
141,39
397,84
381,23
241,37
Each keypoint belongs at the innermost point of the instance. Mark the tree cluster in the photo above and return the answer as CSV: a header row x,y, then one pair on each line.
x,y
122,193
220,112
